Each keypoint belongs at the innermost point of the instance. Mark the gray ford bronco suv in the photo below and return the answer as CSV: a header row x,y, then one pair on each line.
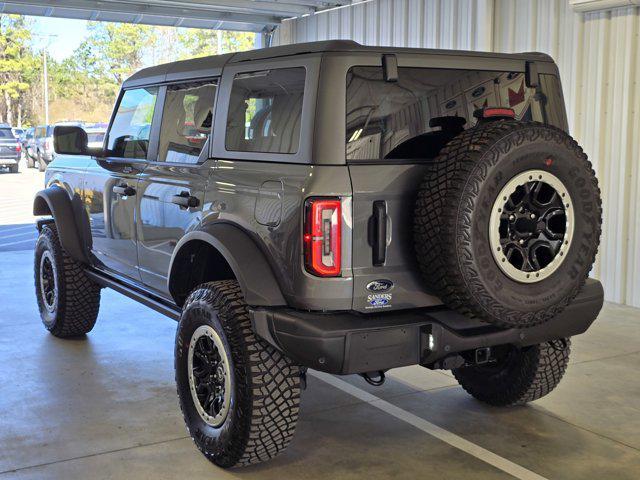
x,y
330,206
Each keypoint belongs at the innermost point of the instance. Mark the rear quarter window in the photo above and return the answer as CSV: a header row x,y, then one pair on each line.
x,y
265,111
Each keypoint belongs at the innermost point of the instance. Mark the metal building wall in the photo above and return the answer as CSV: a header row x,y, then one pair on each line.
x,y
599,58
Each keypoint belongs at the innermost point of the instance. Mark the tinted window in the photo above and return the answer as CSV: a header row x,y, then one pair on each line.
x,y
6,133
129,133
94,137
425,108
186,122
265,111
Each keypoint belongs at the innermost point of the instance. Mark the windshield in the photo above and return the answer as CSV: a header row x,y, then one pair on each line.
x,y
426,107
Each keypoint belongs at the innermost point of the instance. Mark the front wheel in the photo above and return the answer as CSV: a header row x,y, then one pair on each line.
x,y
68,299
518,375
239,396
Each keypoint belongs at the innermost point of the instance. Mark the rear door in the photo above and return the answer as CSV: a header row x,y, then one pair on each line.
x,y
171,188
111,183
393,130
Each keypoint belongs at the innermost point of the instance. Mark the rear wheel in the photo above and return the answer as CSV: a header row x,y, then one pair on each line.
x,y
14,168
67,299
518,375
42,166
239,396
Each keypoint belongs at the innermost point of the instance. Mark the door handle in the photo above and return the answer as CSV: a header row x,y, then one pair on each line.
x,y
185,200
378,232
124,190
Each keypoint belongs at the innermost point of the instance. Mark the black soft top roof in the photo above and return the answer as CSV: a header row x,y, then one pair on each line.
x,y
213,65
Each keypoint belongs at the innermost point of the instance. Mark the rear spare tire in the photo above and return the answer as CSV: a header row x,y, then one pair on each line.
x,y
507,222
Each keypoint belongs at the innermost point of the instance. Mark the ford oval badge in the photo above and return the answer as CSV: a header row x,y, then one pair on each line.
x,y
378,286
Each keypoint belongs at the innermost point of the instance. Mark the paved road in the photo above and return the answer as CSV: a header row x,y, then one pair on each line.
x,y
17,231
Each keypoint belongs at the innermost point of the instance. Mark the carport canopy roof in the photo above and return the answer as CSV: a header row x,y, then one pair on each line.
x,y
245,15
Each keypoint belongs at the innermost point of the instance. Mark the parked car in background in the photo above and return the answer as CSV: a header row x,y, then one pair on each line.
x,y
43,146
10,149
17,132
26,140
95,135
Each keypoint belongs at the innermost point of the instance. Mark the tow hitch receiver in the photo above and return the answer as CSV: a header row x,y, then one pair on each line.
x,y
483,355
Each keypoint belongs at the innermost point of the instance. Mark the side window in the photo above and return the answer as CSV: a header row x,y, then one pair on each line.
x,y
129,133
265,111
186,121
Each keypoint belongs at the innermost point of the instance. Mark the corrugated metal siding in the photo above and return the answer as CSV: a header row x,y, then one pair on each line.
x,y
599,59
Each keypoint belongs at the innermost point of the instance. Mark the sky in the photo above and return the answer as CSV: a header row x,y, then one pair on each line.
x,y
66,35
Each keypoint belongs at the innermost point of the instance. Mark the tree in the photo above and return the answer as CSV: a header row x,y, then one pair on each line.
x,y
17,62
84,85
118,48
198,43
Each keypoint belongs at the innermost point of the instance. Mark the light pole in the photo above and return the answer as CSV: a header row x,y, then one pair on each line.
x,y
46,88
45,73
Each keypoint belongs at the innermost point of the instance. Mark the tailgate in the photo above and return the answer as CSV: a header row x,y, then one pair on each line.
x,y
386,275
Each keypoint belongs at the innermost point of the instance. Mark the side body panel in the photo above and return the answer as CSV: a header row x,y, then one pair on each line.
x,y
266,200
162,223
67,172
112,217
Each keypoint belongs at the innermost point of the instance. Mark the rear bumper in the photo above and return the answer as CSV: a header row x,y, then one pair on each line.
x,y
6,162
348,342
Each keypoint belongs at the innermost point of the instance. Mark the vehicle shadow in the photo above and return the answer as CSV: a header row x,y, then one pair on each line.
x,y
17,236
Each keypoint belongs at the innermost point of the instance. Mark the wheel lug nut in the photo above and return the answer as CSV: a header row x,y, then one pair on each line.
x,y
532,216
521,241
512,217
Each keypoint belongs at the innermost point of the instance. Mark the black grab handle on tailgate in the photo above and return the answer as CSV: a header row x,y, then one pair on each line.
x,y
378,232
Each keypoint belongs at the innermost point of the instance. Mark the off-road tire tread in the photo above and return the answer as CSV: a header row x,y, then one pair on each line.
x,y
79,296
440,208
542,368
269,379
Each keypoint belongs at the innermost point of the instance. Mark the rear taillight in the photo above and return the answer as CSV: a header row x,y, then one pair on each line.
x,y
322,236
18,148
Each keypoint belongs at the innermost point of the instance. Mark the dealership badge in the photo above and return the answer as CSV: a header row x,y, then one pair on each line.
x,y
379,300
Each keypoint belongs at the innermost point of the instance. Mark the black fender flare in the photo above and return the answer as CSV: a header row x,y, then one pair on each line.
x,y
248,263
55,201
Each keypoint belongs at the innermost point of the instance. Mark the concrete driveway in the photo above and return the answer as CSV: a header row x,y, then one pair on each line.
x,y
104,406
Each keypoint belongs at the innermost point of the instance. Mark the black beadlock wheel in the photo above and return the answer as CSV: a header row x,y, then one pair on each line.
x,y
239,395
507,222
518,376
67,299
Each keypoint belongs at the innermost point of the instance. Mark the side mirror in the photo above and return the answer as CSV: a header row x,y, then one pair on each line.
x,y
70,140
